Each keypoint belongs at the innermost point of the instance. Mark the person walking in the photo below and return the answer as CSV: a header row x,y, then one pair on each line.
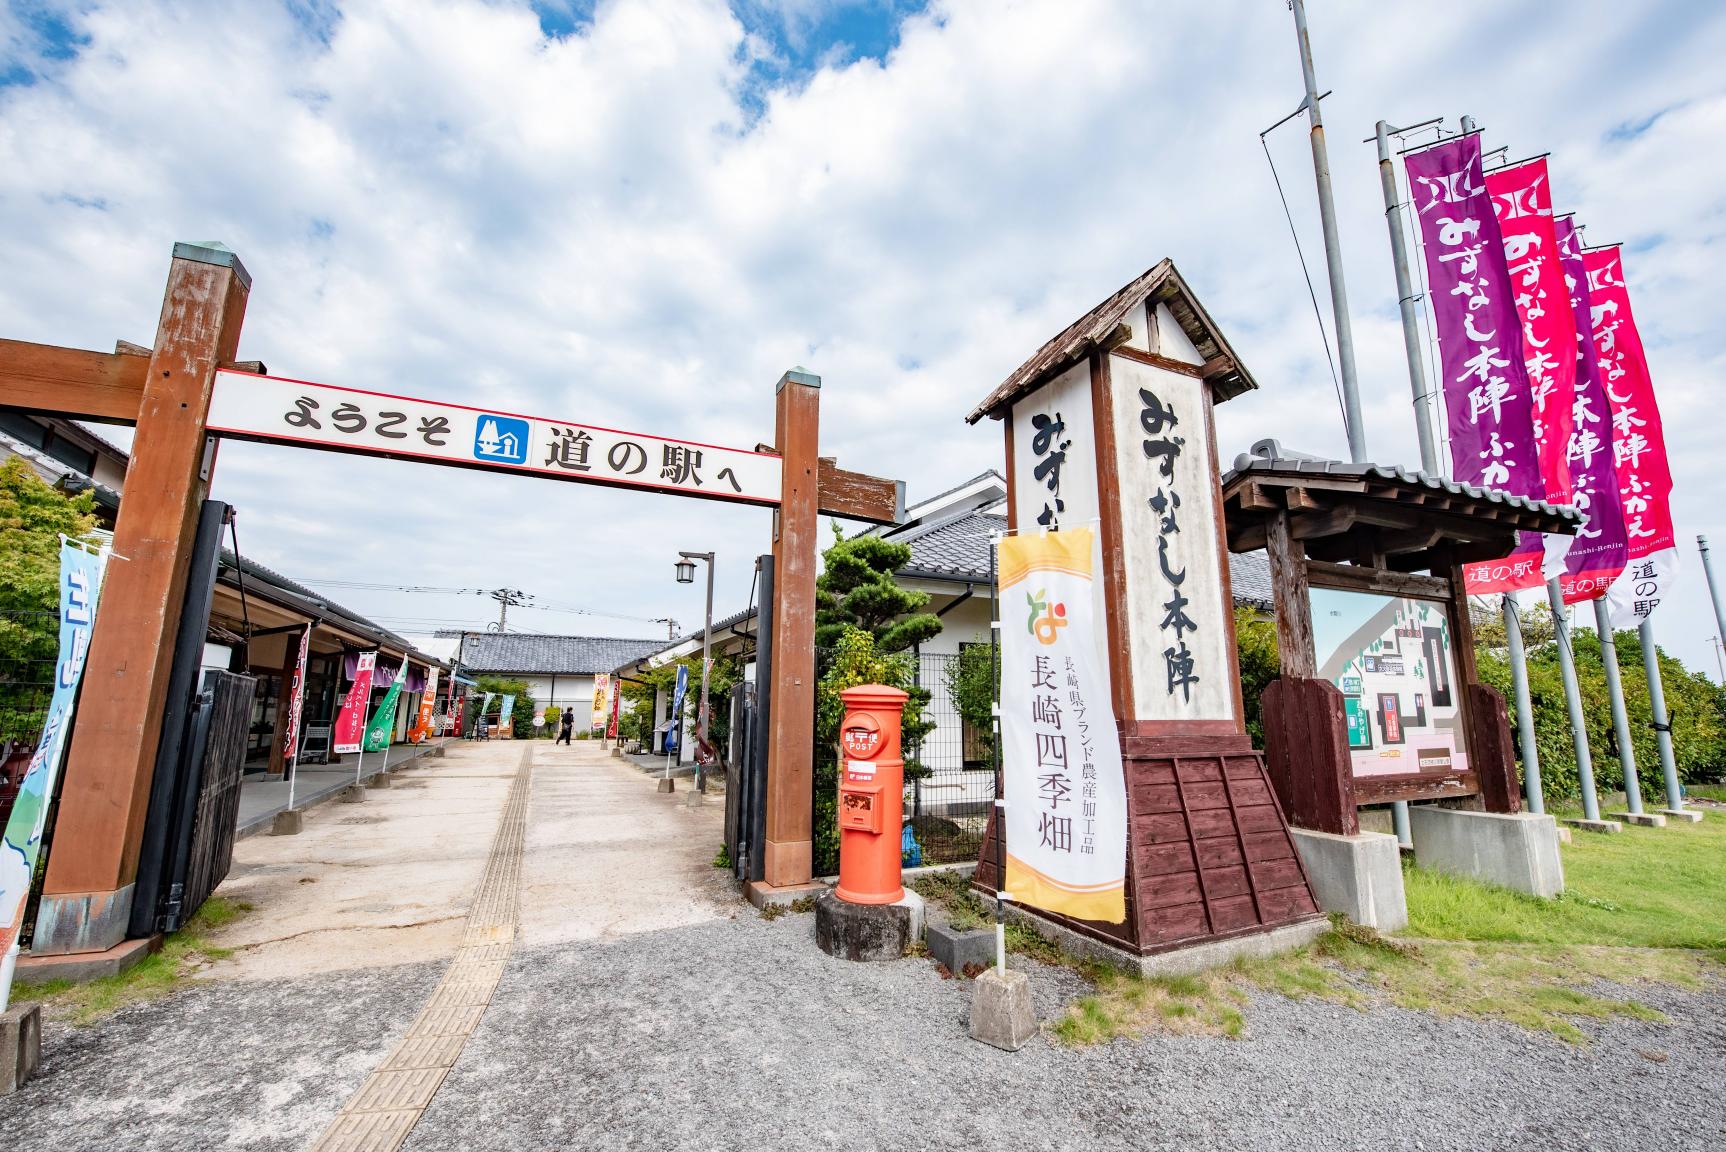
x,y
565,725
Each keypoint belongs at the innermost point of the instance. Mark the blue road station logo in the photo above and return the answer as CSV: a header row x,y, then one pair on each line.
x,y
500,439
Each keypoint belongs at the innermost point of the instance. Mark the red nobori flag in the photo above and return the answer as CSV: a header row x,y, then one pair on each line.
x,y
1638,443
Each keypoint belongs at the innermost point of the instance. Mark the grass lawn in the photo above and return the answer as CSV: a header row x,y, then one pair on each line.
x,y
1644,906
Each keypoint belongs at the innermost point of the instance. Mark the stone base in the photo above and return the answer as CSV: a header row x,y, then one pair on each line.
x,y
1563,834
1682,815
956,950
1640,819
1001,1012
20,1045
1513,850
379,780
288,823
1359,876
667,784
437,751
761,894
867,931
83,967
352,794
1604,827
693,798
1200,957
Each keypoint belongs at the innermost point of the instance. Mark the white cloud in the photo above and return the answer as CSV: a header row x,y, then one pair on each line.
x,y
436,199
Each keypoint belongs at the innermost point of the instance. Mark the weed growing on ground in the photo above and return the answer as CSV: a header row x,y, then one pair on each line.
x,y
1126,1004
723,859
950,891
801,904
182,956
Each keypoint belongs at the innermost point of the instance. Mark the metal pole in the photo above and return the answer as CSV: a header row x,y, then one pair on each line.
x,y
1661,721
1406,299
706,660
1524,713
1332,246
1573,701
1620,719
1713,588
995,755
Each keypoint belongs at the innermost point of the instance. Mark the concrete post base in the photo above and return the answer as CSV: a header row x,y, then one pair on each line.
x,y
1513,850
693,798
1682,815
353,794
867,931
20,1045
1640,819
1001,1012
288,823
380,780
667,784
1359,876
1605,827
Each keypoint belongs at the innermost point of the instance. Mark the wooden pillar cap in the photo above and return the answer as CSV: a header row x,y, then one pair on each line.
x,y
213,252
798,375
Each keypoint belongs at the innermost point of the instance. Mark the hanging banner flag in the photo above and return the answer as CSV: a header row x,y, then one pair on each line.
x,y
383,726
1638,444
616,703
296,701
1597,557
21,842
423,725
1521,196
1066,814
484,707
601,701
351,721
1485,382
505,713
674,733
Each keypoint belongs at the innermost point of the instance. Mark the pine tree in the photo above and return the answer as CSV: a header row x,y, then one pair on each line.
x,y
857,589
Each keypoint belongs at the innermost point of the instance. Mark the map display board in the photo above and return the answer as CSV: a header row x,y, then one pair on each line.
x,y
1391,658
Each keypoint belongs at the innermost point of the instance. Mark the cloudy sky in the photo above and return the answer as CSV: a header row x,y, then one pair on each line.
x,y
639,213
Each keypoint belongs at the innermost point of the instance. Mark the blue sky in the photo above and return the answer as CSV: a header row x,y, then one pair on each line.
x,y
641,212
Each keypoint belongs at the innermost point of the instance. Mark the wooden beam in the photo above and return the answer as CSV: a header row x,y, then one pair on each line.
x,y
101,386
1179,367
87,895
1335,522
1352,578
789,856
855,496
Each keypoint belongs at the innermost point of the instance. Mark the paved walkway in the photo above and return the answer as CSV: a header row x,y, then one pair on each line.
x,y
261,799
641,1006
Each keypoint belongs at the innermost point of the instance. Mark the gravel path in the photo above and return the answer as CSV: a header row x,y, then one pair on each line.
x,y
741,1034
222,1065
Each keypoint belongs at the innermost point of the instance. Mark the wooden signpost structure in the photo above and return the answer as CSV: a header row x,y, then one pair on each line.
x,y
190,389
1110,424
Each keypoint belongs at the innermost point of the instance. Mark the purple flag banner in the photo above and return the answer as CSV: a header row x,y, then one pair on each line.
x,y
1597,557
1486,393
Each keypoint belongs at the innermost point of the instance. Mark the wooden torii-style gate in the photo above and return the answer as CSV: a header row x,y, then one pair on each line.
x,y
190,390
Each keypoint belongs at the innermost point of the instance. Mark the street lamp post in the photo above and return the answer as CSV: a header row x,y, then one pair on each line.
x,y
686,575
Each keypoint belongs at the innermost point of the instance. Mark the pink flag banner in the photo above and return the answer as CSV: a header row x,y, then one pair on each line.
x,y
351,721
1638,444
1487,395
1597,557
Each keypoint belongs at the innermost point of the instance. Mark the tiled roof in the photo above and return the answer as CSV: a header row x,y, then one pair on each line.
x,y
559,655
1396,473
1250,579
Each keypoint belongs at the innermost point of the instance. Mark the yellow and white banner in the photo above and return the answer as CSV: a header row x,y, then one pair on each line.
x,y
1060,754
601,700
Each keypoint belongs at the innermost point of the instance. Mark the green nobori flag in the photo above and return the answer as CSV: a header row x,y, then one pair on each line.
x,y
383,725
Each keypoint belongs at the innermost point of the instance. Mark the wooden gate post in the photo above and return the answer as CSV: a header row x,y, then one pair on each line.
x,y
87,896
791,746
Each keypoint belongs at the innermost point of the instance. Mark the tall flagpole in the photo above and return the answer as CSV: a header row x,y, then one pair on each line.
x,y
1573,702
1662,723
1713,589
1620,718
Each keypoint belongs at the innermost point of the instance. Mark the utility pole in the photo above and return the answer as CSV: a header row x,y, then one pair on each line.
x,y
506,597
1332,246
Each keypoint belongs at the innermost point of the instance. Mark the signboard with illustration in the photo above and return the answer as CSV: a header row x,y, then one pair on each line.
x,y
1391,658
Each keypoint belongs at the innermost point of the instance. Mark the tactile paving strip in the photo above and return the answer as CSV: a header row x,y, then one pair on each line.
x,y
390,1102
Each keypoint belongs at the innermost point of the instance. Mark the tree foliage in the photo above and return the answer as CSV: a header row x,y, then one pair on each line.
x,y
521,714
33,516
1256,646
856,589
722,679
974,684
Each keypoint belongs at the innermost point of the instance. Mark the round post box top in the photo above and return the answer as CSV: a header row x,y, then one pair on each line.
x,y
874,696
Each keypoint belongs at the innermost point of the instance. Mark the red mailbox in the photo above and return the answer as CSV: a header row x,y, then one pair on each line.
x,y
871,795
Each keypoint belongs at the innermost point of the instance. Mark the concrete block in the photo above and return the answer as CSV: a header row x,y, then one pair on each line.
x,y
288,823
693,798
1179,961
760,894
352,794
867,931
82,967
1359,876
20,1045
1001,1012
1640,819
1513,850
956,950
667,784
1604,827
1563,834
1682,815
379,780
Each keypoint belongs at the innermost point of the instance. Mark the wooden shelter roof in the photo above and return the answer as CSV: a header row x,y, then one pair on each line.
x,y
1099,328
1380,514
